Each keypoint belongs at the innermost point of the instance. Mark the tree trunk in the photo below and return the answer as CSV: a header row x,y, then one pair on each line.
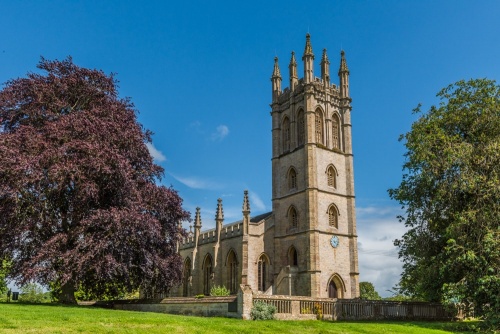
x,y
67,293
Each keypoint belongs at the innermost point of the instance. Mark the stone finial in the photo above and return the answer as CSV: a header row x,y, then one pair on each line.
x,y
308,51
325,68
219,215
276,70
246,202
324,58
293,62
343,63
197,219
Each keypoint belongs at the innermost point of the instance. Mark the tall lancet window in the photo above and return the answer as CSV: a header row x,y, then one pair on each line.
x,y
300,128
232,273
186,277
207,274
262,273
319,127
286,135
336,132
293,218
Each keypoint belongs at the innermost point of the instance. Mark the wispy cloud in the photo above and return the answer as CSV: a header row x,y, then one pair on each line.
x,y
196,182
220,133
155,153
255,202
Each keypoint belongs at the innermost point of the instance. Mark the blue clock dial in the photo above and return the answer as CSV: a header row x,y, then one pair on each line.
x,y
334,241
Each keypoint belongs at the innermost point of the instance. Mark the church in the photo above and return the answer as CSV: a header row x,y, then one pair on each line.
x,y
307,245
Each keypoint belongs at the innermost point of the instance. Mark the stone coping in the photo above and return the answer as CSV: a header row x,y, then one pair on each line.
x,y
170,300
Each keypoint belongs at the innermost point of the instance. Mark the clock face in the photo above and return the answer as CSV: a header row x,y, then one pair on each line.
x,y
334,241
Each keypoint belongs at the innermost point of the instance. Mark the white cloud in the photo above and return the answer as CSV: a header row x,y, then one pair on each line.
x,y
196,182
378,226
220,133
255,202
155,153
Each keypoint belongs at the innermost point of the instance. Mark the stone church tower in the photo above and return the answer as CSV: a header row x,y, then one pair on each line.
x,y
313,182
307,245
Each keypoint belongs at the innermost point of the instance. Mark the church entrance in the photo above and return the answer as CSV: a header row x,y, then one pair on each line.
x,y
332,290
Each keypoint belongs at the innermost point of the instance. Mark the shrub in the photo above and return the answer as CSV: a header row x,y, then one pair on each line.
x,y
33,293
262,311
219,291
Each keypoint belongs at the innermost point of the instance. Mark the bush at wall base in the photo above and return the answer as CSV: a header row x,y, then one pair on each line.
x,y
262,311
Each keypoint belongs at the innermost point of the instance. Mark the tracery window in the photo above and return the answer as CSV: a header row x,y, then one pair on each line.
x,y
262,273
286,135
333,216
319,127
336,132
292,179
300,128
293,218
207,274
232,273
332,177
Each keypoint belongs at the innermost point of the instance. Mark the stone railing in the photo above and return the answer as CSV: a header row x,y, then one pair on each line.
x,y
295,307
289,307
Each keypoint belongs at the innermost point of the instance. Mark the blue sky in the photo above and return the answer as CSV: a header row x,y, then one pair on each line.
x,y
198,73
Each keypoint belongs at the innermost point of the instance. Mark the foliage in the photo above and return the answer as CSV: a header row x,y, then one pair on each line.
x,y
4,269
450,190
262,311
50,318
33,293
79,203
219,291
367,291
318,310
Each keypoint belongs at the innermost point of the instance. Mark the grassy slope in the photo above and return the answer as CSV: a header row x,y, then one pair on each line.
x,y
18,318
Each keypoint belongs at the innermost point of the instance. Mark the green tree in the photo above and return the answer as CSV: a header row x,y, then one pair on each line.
x,y
367,291
451,193
4,268
32,293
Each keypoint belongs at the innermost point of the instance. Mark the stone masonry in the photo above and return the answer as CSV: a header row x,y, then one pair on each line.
x,y
307,246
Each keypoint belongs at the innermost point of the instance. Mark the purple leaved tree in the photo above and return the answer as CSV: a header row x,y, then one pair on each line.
x,y
79,203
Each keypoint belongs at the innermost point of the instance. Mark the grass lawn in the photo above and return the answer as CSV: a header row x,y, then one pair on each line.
x,y
48,318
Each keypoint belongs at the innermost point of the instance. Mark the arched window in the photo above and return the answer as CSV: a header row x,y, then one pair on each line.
x,y
292,257
262,273
293,218
207,274
319,127
300,128
332,177
333,216
286,135
336,131
186,277
232,273
292,179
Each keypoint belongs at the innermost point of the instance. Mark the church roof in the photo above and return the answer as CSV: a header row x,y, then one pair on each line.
x,y
258,218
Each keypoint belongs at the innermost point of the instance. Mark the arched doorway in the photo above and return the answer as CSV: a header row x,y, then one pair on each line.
x,y
332,290
336,287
